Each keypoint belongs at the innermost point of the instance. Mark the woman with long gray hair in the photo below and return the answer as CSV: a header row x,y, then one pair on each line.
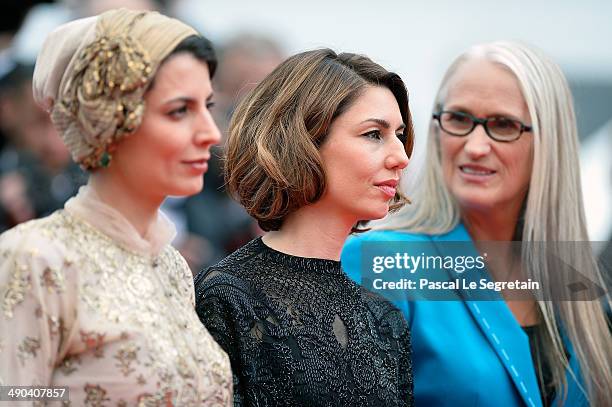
x,y
502,158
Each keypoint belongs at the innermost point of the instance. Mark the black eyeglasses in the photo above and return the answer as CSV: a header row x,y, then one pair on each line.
x,y
498,128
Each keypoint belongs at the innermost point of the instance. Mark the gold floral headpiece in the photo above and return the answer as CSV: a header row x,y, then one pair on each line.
x,y
100,97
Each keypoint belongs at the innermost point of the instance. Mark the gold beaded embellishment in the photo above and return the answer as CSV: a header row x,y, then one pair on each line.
x,y
104,100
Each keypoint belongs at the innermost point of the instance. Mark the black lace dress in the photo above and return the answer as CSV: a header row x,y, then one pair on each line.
x,y
300,333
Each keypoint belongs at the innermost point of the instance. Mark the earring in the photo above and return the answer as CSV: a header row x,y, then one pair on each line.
x,y
105,160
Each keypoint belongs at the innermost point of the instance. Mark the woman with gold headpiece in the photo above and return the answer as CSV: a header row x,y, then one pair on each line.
x,y
93,297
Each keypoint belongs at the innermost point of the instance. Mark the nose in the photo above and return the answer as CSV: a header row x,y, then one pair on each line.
x,y
477,143
206,131
397,159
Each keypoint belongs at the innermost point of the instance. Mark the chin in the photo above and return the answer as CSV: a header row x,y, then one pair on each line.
x,y
375,213
478,204
473,197
188,188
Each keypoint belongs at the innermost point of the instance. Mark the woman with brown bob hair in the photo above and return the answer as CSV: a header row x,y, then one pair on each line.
x,y
316,147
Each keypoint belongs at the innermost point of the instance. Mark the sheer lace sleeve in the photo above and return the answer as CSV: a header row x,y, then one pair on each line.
x,y
395,335
228,313
37,308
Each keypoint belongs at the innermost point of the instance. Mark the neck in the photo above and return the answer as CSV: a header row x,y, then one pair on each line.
x,y
312,231
494,225
139,209
503,265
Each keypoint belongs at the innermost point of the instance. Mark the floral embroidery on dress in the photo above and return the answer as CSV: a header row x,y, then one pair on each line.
x,y
14,293
28,349
69,365
56,325
95,341
96,396
53,279
126,355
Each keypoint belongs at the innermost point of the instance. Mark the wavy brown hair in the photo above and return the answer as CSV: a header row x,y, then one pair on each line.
x,y
273,165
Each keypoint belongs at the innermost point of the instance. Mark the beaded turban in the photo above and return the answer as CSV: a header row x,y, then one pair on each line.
x,y
92,73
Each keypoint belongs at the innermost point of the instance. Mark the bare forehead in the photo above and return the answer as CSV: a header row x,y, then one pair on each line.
x,y
483,84
182,70
376,101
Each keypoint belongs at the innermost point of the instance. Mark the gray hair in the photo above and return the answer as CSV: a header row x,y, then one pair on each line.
x,y
553,212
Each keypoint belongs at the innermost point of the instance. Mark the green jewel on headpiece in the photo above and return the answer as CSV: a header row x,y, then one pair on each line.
x,y
105,160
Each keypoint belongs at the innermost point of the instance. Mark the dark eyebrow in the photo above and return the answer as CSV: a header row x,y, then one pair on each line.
x,y
383,123
186,99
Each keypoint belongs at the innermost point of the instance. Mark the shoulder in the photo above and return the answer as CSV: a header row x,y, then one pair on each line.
x,y
43,238
231,290
354,242
215,279
180,273
229,271
377,303
385,313
242,257
33,255
457,233
175,261
225,303
227,283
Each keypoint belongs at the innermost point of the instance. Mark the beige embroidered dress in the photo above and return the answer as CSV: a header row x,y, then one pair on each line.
x,y
89,304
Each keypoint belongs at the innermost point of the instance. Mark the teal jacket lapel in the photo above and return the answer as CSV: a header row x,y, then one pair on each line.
x,y
504,334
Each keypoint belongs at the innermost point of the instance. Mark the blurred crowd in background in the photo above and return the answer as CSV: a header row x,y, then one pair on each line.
x,y
37,174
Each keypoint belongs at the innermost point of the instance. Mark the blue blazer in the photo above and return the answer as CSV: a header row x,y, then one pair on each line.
x,y
465,353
